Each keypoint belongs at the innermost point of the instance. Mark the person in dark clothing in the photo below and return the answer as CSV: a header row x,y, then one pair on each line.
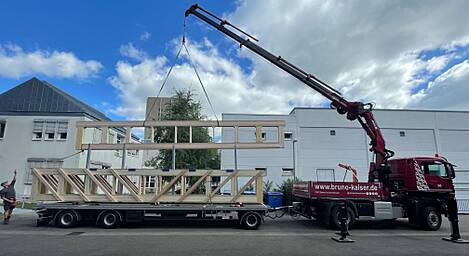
x,y
8,195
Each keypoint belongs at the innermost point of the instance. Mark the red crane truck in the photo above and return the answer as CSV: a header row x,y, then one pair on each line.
x,y
417,188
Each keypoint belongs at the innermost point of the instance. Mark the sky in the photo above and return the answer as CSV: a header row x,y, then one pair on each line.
x,y
114,54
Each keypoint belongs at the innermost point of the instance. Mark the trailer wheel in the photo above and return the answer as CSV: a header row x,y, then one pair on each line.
x,y
109,219
335,218
430,218
251,220
67,219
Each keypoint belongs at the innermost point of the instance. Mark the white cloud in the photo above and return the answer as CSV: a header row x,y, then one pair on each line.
x,y
15,63
230,89
370,50
129,50
145,36
449,91
437,63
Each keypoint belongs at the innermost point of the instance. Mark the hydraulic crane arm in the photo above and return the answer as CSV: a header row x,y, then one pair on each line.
x,y
354,110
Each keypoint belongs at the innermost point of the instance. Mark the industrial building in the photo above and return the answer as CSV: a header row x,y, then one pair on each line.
x,y
317,140
37,130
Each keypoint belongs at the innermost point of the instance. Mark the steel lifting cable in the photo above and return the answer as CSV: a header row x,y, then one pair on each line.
x,y
165,79
183,45
201,83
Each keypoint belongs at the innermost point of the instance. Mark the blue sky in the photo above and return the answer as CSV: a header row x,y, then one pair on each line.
x,y
94,30
114,54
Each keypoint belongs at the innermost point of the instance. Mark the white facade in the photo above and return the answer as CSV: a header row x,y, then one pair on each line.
x,y
324,139
20,148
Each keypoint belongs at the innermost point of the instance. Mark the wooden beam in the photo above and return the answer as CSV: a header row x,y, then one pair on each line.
x,y
194,187
97,182
210,145
223,183
72,183
238,194
132,192
46,183
209,123
168,186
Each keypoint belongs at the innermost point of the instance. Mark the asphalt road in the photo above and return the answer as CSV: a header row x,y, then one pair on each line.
x,y
285,236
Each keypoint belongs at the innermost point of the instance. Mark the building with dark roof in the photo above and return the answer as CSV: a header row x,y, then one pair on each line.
x,y
37,129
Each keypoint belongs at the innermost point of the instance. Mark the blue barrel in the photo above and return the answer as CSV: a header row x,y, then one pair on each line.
x,y
274,199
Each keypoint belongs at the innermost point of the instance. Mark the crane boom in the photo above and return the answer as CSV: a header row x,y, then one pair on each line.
x,y
353,110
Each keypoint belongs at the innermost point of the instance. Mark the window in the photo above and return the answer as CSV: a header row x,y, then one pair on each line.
x,y
62,130
287,171
50,130
332,132
38,130
402,133
288,135
120,139
2,128
261,169
434,169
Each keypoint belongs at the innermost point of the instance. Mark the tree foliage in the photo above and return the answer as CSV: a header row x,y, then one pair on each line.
x,y
183,106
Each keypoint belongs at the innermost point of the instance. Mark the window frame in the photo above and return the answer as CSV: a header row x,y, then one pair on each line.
x,y
3,130
58,130
45,131
289,133
36,132
287,171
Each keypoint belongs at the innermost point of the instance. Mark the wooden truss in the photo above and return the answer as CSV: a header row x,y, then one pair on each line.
x,y
147,185
127,126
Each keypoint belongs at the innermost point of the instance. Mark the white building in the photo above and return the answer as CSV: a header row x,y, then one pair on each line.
x,y
37,129
323,139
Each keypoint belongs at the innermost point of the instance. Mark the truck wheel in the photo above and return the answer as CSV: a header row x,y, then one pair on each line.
x,y
67,219
251,220
335,218
109,219
430,219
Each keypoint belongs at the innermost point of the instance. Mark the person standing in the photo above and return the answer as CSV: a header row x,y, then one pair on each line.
x,y
8,195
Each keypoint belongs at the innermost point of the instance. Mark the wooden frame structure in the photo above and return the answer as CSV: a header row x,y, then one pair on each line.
x,y
174,186
127,126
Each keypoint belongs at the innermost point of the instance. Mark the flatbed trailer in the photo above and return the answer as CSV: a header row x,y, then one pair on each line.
x,y
112,215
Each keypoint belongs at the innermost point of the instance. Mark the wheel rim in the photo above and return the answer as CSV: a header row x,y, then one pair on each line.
x,y
433,218
251,220
109,219
66,219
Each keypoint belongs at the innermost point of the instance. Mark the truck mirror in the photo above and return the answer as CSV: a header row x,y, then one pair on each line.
x,y
452,173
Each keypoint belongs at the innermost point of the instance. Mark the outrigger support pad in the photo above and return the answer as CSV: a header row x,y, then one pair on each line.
x,y
343,216
455,236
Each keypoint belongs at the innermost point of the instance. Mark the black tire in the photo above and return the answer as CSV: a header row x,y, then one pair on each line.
x,y
67,219
430,219
251,220
334,221
109,219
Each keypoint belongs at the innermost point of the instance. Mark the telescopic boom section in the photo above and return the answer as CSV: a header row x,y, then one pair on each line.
x,y
354,110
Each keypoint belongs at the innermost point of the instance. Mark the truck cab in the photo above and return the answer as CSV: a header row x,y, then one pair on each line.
x,y
421,174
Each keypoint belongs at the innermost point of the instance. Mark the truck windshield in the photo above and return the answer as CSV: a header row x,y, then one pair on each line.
x,y
434,169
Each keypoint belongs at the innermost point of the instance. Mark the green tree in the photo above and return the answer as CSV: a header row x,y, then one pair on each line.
x,y
287,190
183,106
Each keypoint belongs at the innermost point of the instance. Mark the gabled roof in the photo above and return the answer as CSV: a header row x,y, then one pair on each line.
x,y
40,97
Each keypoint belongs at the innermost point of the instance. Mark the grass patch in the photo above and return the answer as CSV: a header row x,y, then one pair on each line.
x,y
25,205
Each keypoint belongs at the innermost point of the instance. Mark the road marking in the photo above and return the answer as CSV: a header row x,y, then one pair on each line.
x,y
218,233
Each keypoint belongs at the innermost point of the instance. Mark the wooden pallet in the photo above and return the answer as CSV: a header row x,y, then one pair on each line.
x,y
174,186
